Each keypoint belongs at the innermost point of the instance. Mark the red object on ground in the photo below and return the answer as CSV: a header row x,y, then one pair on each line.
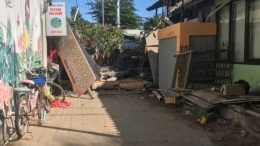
x,y
56,103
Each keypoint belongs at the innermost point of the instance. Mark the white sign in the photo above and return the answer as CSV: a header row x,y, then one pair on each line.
x,y
56,20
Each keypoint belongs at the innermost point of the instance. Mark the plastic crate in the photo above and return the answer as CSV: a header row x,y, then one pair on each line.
x,y
38,80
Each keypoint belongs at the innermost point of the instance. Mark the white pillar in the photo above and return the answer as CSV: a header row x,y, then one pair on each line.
x,y
103,12
44,41
118,13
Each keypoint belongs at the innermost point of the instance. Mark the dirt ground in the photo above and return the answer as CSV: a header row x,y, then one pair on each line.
x,y
226,133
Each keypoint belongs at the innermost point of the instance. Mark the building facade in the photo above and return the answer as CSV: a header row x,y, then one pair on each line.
x,y
238,24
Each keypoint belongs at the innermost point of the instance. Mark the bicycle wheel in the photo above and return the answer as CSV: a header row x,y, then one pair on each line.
x,y
8,125
8,128
40,106
47,105
56,91
21,115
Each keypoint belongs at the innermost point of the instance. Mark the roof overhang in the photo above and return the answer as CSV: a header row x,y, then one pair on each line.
x,y
156,5
176,4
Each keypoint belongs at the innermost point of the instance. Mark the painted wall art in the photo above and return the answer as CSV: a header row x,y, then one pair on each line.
x,y
20,40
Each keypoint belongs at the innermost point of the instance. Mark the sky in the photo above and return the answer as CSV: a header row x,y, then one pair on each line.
x,y
140,5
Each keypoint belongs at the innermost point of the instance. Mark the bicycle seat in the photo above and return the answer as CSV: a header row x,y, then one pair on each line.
x,y
27,82
21,89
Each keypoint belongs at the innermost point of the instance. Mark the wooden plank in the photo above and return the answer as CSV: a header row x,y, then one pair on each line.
x,y
187,72
209,96
129,80
118,93
197,101
131,85
114,83
107,83
181,70
249,96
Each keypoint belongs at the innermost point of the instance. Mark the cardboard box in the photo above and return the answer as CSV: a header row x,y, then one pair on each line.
x,y
233,89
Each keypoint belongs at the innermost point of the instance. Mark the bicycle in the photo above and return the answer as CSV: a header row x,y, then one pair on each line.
x,y
6,116
26,103
56,91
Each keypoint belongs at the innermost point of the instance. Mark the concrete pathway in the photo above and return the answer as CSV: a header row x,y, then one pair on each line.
x,y
115,120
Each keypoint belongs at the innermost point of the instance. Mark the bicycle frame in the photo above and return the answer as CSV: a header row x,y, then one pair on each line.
x,y
31,101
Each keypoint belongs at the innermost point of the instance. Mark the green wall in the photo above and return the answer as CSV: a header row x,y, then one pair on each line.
x,y
249,73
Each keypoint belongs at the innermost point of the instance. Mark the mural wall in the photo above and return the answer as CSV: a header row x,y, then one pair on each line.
x,y
20,40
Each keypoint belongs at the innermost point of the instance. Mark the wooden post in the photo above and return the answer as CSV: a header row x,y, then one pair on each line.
x,y
90,93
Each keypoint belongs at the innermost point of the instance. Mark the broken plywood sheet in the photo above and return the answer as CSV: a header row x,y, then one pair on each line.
x,y
209,96
197,101
216,98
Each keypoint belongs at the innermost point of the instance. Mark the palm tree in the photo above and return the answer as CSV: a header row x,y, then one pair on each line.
x,y
156,22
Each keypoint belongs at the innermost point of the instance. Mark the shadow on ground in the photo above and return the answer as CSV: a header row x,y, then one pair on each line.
x,y
115,120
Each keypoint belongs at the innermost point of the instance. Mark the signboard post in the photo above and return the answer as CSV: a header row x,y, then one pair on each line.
x,y
56,22
76,64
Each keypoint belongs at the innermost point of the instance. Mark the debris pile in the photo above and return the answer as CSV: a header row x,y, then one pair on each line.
x,y
202,84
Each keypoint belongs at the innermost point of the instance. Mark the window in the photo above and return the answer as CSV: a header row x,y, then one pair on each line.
x,y
254,29
223,25
239,24
238,30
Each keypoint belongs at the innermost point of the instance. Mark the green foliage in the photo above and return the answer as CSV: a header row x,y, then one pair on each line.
x,y
156,22
103,37
128,18
80,21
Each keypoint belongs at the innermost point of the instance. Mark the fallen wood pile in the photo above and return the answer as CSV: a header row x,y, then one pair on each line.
x,y
209,99
107,72
125,84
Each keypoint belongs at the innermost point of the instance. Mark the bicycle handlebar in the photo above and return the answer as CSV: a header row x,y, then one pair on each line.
x,y
25,69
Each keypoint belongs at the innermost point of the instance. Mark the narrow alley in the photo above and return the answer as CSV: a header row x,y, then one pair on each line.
x,y
116,120
129,73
